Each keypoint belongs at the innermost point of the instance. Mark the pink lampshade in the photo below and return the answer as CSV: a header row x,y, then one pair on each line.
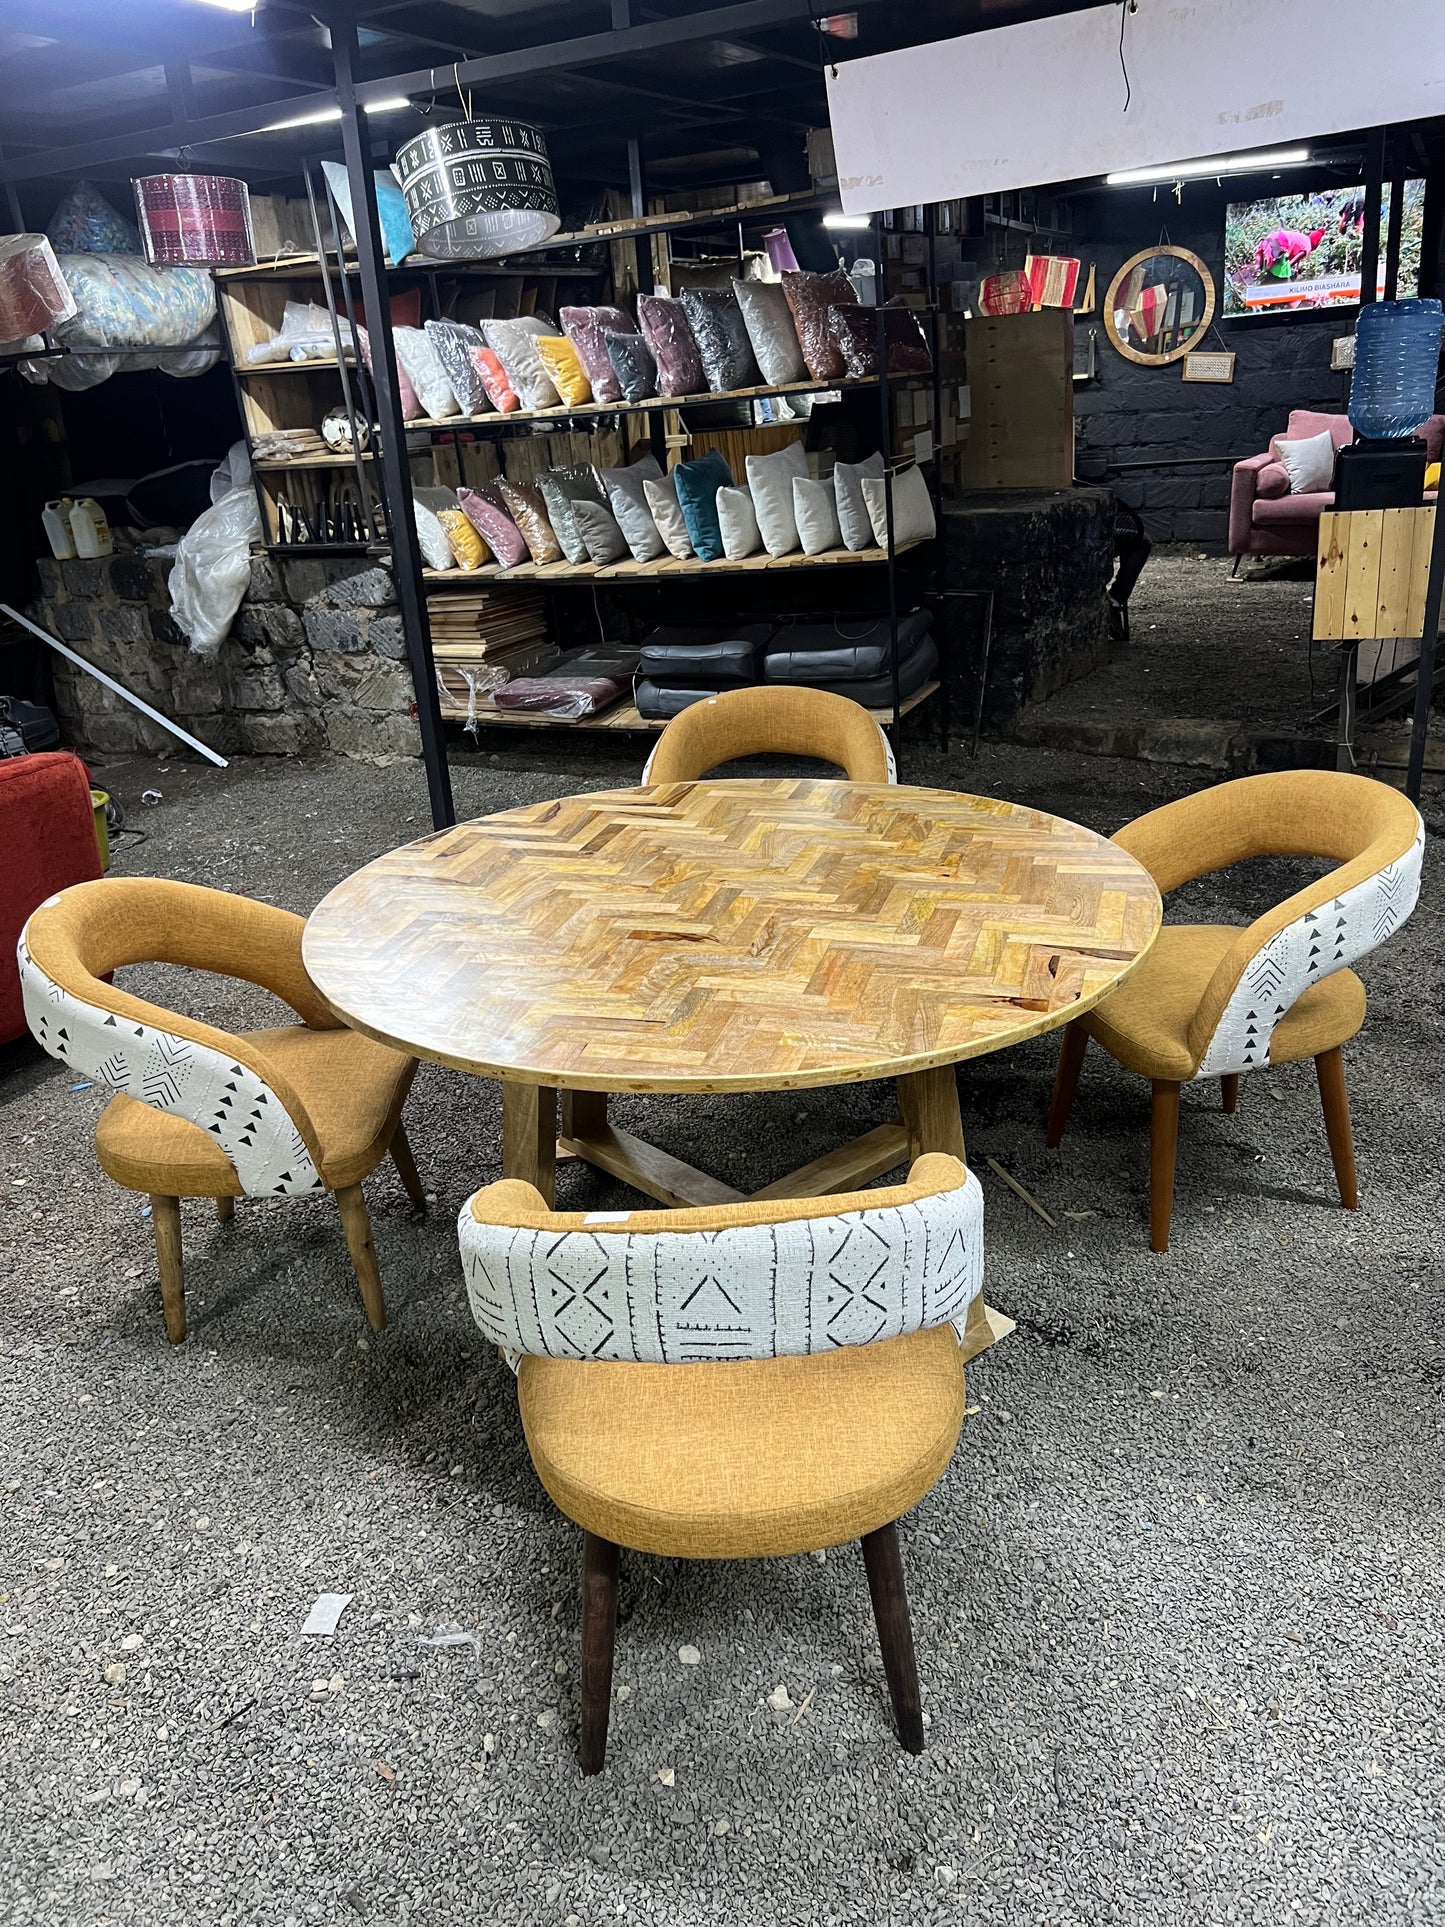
x,y
195,221
34,294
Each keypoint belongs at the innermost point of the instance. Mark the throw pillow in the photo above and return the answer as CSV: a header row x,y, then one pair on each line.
x,y
588,329
1309,462
598,528
853,522
771,478
737,523
564,369
629,504
455,345
722,339
667,513
912,508
697,484
815,510
769,322
528,510
667,333
810,296
635,366
516,343
496,528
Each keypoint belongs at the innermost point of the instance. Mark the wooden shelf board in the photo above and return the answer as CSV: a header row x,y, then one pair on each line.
x,y
670,570
625,716
290,367
310,461
654,404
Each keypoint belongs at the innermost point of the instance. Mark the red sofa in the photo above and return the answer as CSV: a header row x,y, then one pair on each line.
x,y
1265,519
47,831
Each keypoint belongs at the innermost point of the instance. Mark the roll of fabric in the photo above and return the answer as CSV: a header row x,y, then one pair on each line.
x,y
195,221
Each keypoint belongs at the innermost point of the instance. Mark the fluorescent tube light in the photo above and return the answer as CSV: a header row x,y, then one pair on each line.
x,y
1206,169
848,220
324,114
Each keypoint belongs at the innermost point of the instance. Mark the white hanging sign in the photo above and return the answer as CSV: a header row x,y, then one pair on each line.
x,y
1045,101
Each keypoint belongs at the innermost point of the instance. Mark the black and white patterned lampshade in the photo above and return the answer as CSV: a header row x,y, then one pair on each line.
x,y
478,188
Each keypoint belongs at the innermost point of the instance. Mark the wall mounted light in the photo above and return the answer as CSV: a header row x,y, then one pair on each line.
x,y
1204,170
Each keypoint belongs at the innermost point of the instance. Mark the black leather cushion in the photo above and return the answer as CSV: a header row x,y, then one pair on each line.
x,y
659,699
876,692
712,663
824,653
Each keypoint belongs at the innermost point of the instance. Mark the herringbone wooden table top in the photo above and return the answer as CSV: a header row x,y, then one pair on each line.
x,y
731,935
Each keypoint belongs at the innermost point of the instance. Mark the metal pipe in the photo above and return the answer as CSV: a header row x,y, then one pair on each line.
x,y
396,473
1429,642
1396,221
1374,193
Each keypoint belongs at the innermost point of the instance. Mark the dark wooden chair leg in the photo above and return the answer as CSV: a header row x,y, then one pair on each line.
x,y
883,1563
1229,1086
356,1223
1330,1070
1163,1146
166,1221
406,1170
225,1209
1066,1081
599,1628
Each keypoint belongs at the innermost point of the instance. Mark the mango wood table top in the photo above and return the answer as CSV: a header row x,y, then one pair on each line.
x,y
728,936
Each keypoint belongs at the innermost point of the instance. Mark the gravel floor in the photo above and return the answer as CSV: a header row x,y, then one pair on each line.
x,y
1178,1603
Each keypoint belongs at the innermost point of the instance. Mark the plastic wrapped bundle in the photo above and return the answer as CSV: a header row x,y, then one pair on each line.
x,y
566,698
411,408
587,329
86,223
634,365
564,369
487,513
516,343
769,322
120,302
34,294
432,538
669,335
500,392
561,488
810,296
418,356
722,340
528,510
855,335
468,548
456,346
305,334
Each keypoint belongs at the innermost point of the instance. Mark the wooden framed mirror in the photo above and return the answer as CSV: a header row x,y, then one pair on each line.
x,y
1160,305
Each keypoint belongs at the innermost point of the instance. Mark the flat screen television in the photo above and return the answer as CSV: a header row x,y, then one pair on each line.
x,y
1299,251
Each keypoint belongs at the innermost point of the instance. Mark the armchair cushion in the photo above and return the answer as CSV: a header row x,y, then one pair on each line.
x,y
1291,511
1270,481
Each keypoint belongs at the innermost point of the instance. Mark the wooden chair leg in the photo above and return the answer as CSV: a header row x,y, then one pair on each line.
x,y
405,1164
1066,1081
1163,1145
1330,1070
883,1563
225,1209
599,1629
357,1225
166,1218
1229,1086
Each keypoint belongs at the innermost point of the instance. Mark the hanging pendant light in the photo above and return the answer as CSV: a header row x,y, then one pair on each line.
x,y
195,221
478,188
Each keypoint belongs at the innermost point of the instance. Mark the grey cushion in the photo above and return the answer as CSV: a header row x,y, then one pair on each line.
x,y
824,653
876,692
598,528
629,504
658,699
710,663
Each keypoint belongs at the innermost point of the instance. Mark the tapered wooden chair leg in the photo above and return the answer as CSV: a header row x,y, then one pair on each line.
x,y
1163,1146
406,1170
599,1629
225,1209
166,1218
356,1223
1066,1081
1330,1070
1229,1088
883,1563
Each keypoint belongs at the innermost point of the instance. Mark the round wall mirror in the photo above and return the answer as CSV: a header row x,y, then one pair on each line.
x,y
1159,305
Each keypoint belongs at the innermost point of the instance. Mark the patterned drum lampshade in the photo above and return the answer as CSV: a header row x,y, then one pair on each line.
x,y
34,294
478,188
195,221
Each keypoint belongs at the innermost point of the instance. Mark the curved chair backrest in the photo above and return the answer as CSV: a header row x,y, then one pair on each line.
x,y
763,1279
220,1083
779,720
1373,834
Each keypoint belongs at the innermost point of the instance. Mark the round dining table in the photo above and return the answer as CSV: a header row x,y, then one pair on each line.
x,y
738,935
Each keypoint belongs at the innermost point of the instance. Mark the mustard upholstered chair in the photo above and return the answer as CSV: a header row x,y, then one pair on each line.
x,y
735,1382
1217,1000
776,720
198,1112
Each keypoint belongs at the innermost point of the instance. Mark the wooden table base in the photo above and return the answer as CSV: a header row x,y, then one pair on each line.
x,y
927,1102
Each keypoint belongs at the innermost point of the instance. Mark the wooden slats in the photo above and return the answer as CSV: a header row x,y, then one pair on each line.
x,y
1372,566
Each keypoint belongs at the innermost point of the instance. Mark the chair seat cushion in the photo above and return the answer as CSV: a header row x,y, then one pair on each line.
x,y
745,1460
1145,1022
352,1087
1285,509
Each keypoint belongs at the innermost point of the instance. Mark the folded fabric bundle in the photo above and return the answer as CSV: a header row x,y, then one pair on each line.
x,y
829,653
564,369
810,296
516,342
528,509
634,365
456,346
722,340
587,329
697,484
487,513
769,322
669,335
563,697
854,332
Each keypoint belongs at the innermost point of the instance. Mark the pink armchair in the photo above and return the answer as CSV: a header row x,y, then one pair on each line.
x,y
1265,519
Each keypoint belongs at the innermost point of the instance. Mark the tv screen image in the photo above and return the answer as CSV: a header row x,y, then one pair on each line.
x,y
1306,250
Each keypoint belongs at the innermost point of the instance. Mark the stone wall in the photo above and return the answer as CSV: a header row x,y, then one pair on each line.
x,y
314,663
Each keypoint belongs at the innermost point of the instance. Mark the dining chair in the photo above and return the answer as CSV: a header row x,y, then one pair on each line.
x,y
200,1112
1220,1000
776,720
740,1381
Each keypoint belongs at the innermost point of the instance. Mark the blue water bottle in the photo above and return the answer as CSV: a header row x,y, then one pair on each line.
x,y
1397,357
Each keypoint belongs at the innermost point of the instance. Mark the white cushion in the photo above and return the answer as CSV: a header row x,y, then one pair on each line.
x,y
769,322
625,493
853,521
738,521
432,537
599,531
815,510
661,499
746,1291
771,478
912,507
1309,462
515,345
423,368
